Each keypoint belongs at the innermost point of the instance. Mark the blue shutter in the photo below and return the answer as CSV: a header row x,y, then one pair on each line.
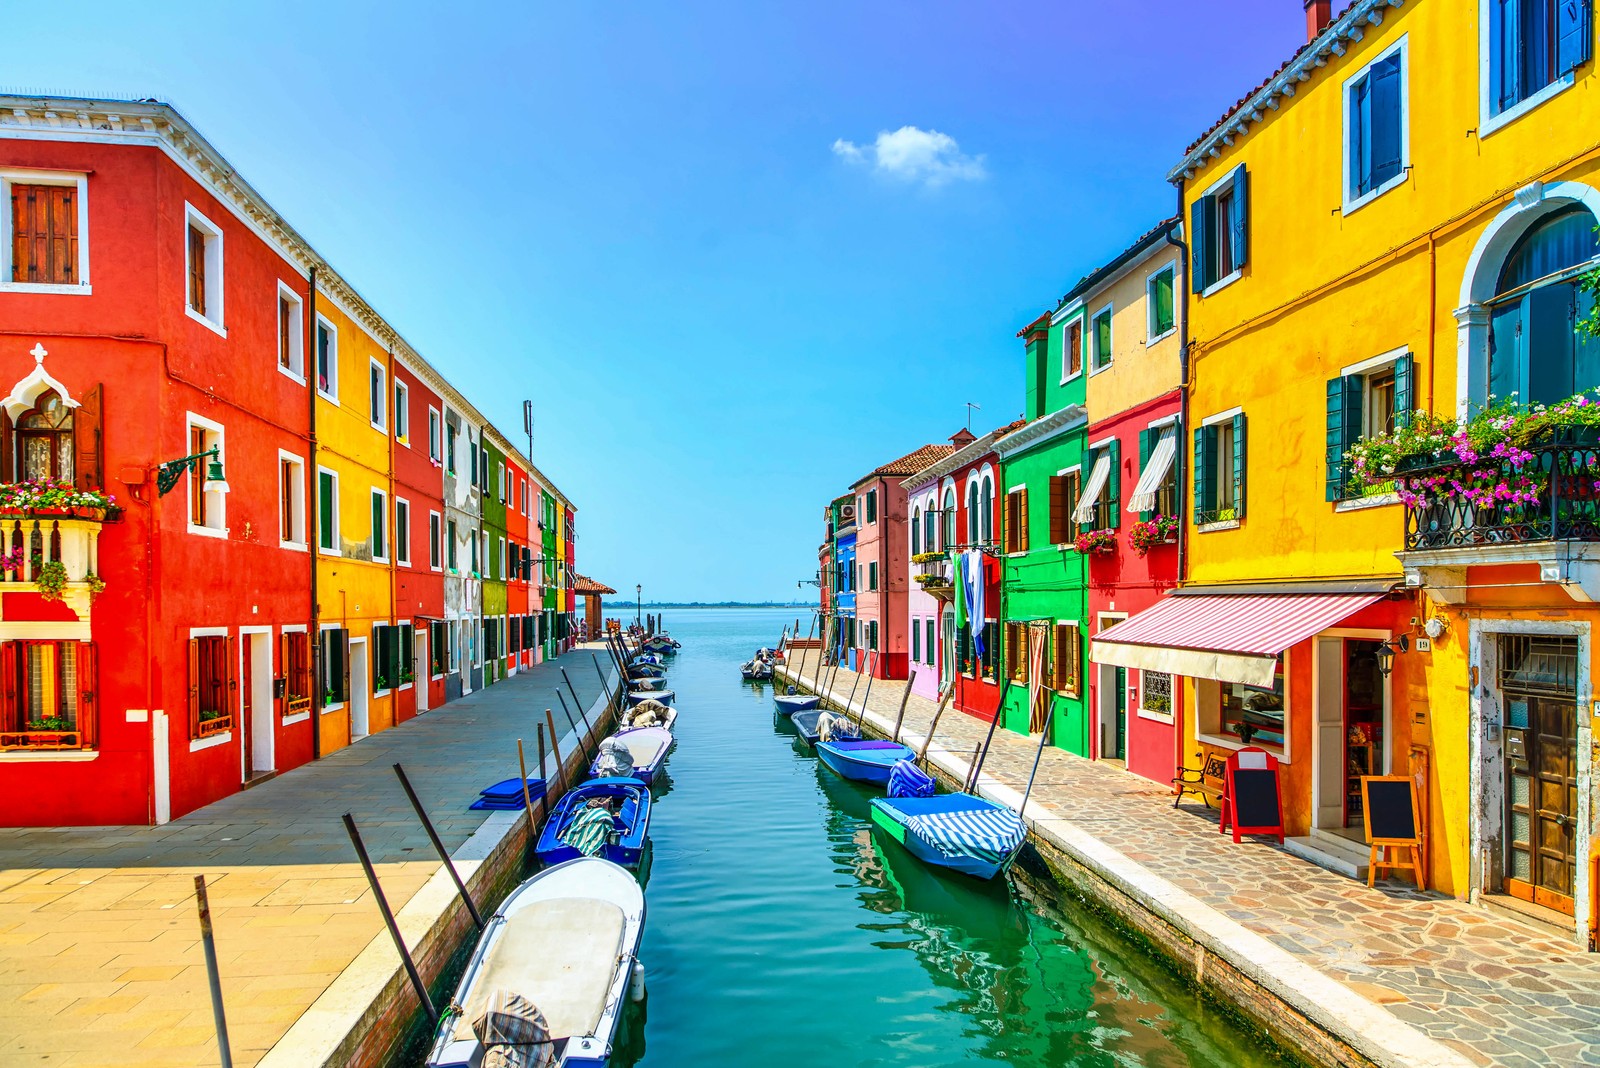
x,y
1384,100
1239,466
1361,135
1405,402
1200,213
1574,36
1241,217
1114,485
1504,79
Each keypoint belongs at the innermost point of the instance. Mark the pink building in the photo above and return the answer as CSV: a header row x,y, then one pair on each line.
x,y
883,559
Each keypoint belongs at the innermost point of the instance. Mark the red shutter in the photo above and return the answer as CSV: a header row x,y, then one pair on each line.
x,y
22,233
197,270
194,687
88,710
9,719
63,234
87,452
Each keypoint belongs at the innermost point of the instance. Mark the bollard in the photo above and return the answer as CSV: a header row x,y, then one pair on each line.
x,y
218,1017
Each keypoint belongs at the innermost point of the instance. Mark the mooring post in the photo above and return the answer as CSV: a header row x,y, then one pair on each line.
x,y
388,919
972,770
218,1017
574,691
872,667
999,710
583,739
543,804
943,701
438,846
555,745
899,719
1043,735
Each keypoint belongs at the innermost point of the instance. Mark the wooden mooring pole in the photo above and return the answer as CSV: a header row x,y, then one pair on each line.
x,y
894,735
388,919
928,740
555,745
219,1018
438,846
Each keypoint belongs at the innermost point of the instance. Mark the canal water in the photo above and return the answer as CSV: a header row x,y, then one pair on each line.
x,y
781,928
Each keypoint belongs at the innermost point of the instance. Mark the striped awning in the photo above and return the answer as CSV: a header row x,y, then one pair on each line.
x,y
1154,473
1231,637
1090,496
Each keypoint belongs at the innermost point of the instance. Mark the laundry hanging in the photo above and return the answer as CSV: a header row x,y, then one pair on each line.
x,y
972,576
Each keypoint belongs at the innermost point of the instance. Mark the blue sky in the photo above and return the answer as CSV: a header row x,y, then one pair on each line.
x,y
675,225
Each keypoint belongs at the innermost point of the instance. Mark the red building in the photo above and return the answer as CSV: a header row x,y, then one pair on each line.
x,y
419,512
519,571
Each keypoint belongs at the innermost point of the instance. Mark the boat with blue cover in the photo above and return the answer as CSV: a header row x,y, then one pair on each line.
x,y
629,799
862,759
551,974
971,835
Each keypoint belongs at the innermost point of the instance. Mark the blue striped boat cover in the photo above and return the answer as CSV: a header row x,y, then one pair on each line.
x,y
988,834
589,831
908,780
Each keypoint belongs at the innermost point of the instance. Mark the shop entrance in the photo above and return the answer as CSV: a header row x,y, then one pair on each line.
x,y
1538,684
1352,736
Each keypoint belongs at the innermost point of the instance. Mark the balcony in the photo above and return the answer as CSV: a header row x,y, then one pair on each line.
x,y
54,555
1544,511
932,572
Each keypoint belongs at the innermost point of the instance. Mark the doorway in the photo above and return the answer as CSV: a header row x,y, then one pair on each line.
x,y
1352,730
360,689
947,652
255,698
420,674
1537,678
1111,710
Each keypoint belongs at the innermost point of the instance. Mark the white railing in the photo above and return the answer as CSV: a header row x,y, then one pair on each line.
x,y
43,540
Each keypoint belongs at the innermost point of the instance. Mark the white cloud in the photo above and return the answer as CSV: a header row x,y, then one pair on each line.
x,y
914,155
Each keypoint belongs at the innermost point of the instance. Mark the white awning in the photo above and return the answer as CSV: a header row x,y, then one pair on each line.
x,y
1090,496
1154,473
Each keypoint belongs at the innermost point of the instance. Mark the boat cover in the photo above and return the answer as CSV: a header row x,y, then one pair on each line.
x,y
614,759
513,1032
990,833
908,780
589,830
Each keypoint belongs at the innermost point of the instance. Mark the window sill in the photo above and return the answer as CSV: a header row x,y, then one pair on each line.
x,y
328,551
1361,504
209,532
1355,204
293,376
1156,339
62,289
1226,524
402,563
402,442
290,721
337,706
1156,717
214,327
331,398
297,546
26,756
1488,124
1222,283
439,678
1234,744
197,744
381,693
1103,367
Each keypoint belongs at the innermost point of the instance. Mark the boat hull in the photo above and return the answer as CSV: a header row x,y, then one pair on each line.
x,y
637,696
893,815
789,704
635,833
863,762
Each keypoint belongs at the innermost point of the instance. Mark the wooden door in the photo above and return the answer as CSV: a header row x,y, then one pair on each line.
x,y
1541,758
247,694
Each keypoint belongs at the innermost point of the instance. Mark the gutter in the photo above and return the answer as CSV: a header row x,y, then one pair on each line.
x,y
313,540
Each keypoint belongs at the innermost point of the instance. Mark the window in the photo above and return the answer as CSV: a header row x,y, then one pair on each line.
x,y
435,555
472,536
1531,49
203,264
1072,350
327,360
207,498
928,641
1219,470
1533,349
1251,714
402,532
1016,532
433,434
1375,127
472,459
1156,492
211,685
335,666
972,512
291,501
291,334
1064,491
1155,693
1102,491
45,440
1160,316
1017,652
916,641
916,530
872,634
872,575
402,412
1219,225
47,700
1366,401
1066,667
1101,356
949,517
986,509
377,395
385,657
872,506
296,672
327,510
450,547
380,525
45,246
438,648
499,558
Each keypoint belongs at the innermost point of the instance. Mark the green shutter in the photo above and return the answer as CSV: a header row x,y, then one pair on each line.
x,y
1205,486
1405,375
1241,217
1114,485
1240,467
1200,244
1147,440
1333,487
325,510
1177,468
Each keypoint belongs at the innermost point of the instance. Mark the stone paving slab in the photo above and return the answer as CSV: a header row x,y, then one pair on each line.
x,y
100,958
1495,990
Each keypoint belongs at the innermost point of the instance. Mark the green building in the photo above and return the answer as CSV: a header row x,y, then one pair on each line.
x,y
1044,579
549,531
495,636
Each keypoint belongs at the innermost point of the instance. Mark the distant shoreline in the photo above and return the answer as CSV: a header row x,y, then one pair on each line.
x,y
618,606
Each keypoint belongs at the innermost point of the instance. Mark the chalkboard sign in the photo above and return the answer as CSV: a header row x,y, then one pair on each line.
x,y
1389,810
1251,801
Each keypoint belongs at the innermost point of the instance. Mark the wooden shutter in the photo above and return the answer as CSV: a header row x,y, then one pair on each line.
x,y
1076,655
1205,486
63,264
88,710
194,687
22,269
1114,486
1058,509
1240,466
44,234
1240,222
344,664
1022,520
1344,424
1384,134
197,269
1405,376
1200,221
1574,38
86,446
10,718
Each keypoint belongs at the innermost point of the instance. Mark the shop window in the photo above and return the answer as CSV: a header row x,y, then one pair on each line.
x,y
47,698
1252,715
211,686
1066,668
45,444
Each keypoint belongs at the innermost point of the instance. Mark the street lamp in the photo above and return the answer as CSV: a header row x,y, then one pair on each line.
x,y
168,474
638,608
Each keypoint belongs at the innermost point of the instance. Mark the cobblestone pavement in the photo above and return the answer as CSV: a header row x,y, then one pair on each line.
x,y
100,956
1497,990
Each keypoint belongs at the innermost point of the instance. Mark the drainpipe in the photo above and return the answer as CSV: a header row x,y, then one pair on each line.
x,y
394,551
314,540
1183,426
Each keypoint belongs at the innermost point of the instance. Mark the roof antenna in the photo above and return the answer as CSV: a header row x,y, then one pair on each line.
x,y
970,407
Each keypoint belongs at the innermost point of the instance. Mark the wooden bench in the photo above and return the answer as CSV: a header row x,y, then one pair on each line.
x,y
1195,780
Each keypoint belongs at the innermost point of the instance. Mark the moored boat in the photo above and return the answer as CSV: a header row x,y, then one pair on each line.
x,y
808,724
971,835
862,759
554,963
570,832
645,748
663,695
790,703
647,683
647,714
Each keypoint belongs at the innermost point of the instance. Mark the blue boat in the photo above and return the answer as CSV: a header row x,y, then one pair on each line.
x,y
631,823
645,748
790,703
807,724
971,835
638,696
863,760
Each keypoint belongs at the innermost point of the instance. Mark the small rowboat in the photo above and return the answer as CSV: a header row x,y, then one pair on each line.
x,y
647,747
971,835
566,943
863,760
648,659
790,703
663,695
666,719
646,671
655,683
661,644
630,825
806,724
756,671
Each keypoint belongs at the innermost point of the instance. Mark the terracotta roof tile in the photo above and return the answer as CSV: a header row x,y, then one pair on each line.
x,y
911,462
585,584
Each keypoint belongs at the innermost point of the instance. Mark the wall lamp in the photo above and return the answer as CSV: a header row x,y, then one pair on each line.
x,y
168,474
1386,651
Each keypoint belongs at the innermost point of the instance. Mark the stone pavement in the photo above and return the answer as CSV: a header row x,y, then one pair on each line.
x,y
1496,990
100,956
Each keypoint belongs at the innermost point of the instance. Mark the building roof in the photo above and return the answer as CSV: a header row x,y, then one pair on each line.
x,y
585,584
912,462
967,453
1156,235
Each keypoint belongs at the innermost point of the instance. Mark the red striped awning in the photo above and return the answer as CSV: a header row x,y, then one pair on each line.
x,y
1231,637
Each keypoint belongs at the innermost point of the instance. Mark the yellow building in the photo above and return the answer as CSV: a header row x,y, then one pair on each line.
x,y
1391,223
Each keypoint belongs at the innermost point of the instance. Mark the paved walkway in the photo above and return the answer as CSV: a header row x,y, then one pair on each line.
x,y
100,957
1494,989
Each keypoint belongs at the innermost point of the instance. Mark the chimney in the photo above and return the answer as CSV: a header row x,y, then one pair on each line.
x,y
1318,14
963,437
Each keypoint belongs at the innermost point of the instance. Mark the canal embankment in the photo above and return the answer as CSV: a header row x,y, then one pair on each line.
x,y
1338,973
101,950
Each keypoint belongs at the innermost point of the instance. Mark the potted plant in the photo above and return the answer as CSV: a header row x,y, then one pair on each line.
x,y
407,676
329,698
54,724
382,682
927,558
1157,530
51,579
97,585
1097,542
12,561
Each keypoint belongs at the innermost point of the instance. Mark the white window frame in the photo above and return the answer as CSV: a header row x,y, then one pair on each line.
x,y
330,394
1093,339
502,472
435,436
380,418
1151,337
394,532
1172,697
401,415
1352,201
10,177
1216,420
1488,121
197,469
223,738
1064,319
1225,182
334,549
378,558
311,652
297,502
435,541
500,559
297,343
192,216
372,659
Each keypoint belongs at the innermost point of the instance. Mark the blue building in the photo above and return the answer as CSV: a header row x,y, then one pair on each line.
x,y
845,579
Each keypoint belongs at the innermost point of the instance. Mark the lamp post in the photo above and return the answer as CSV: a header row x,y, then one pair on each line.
x,y
638,607
168,474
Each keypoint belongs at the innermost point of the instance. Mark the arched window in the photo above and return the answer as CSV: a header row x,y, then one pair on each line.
x,y
44,440
916,531
1534,348
949,517
986,508
972,513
